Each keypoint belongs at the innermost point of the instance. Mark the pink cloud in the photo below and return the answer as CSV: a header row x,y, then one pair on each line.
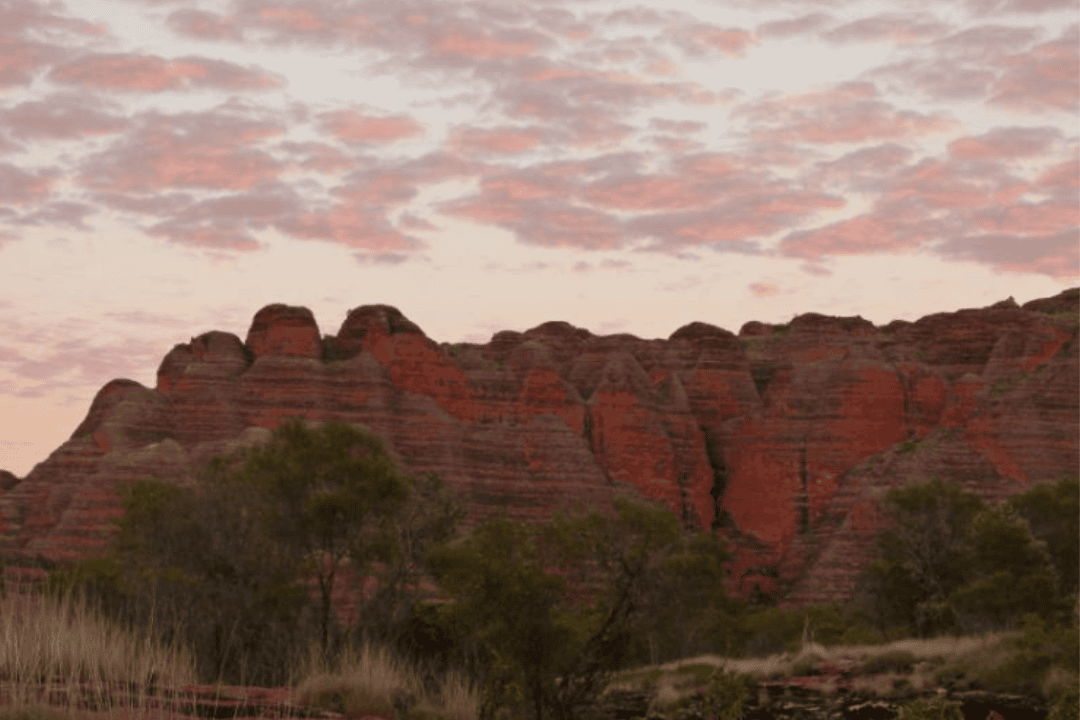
x,y
160,204
798,26
193,150
985,7
639,15
583,267
939,185
318,157
504,141
864,169
412,222
653,192
20,60
863,122
816,270
1043,79
1045,218
1056,255
591,132
350,226
19,16
432,168
61,212
293,18
673,145
150,73
889,27
678,126
555,72
520,188
845,114
662,67
476,45
983,42
937,79
606,51
1062,179
352,127
209,238
842,93
698,39
585,95
862,235
710,164
730,223
763,289
961,66
376,188
6,146
992,61
1005,143
202,25
19,187
220,223
61,116
257,207
542,222
963,207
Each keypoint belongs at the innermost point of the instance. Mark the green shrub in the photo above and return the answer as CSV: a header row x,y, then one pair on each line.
x,y
771,630
700,672
808,666
762,375
861,635
899,661
931,709
726,694
1064,703
830,621
1042,646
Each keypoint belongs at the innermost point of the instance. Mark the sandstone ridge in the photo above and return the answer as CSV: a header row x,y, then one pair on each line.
x,y
782,438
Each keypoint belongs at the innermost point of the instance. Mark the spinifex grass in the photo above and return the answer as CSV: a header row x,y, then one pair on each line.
x,y
60,661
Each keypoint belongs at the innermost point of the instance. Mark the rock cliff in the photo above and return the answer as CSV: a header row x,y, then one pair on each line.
x,y
781,438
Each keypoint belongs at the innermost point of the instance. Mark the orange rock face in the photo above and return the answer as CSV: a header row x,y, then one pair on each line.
x,y
782,439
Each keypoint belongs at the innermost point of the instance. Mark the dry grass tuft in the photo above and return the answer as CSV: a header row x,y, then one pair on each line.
x,y
79,656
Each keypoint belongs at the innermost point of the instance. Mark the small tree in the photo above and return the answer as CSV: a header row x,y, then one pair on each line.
x,y
684,599
504,610
1014,574
334,491
538,648
924,558
1052,511
232,557
429,520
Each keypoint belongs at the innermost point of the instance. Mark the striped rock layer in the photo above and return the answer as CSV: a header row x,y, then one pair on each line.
x,y
781,439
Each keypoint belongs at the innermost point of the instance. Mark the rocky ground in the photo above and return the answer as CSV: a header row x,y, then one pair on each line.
x,y
796,698
834,695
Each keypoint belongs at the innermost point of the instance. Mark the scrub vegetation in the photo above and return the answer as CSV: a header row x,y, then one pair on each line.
x,y
512,620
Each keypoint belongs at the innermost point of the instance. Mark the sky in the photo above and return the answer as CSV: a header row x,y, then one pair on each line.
x,y
168,168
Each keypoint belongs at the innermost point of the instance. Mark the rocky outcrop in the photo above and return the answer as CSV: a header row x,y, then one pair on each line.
x,y
8,480
783,438
788,698
793,700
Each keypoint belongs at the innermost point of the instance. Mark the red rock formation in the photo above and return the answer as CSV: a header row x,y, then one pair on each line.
x,y
797,429
8,480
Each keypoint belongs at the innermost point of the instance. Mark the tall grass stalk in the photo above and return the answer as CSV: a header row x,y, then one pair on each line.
x,y
59,659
